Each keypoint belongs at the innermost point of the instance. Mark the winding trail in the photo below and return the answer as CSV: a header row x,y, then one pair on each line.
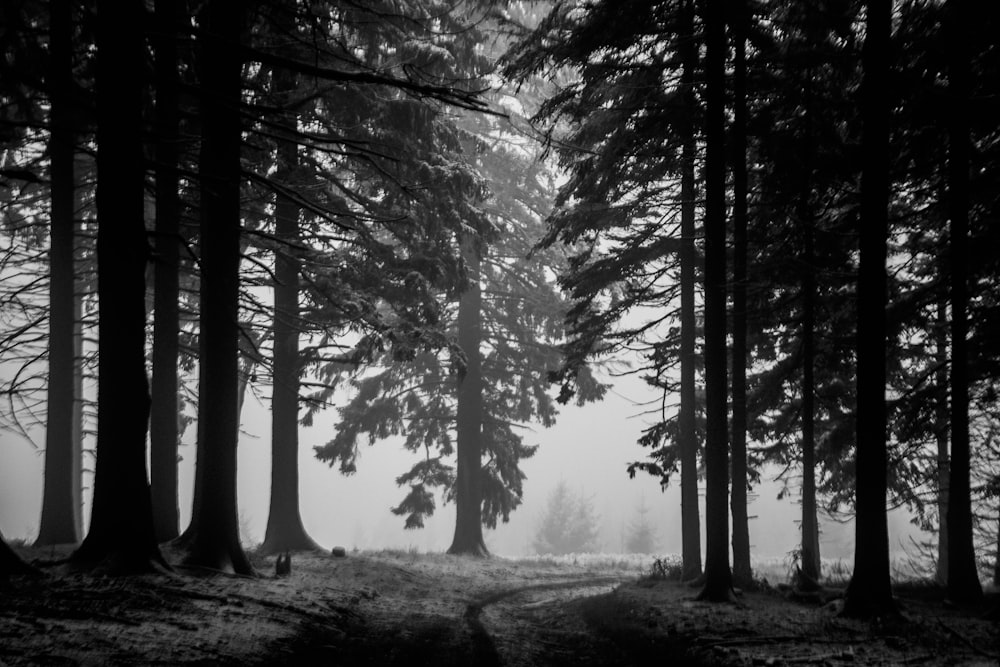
x,y
510,634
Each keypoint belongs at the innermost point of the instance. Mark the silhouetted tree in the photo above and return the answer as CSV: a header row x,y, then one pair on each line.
x,y
164,418
718,578
963,575
213,538
121,537
869,592
61,520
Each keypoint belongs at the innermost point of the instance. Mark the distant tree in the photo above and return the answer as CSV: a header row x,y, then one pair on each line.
x,y
641,536
568,524
121,537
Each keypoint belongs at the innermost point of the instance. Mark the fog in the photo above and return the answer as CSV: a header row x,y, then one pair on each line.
x,y
588,448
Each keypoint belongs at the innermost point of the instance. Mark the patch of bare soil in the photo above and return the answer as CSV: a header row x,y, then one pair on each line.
x,y
407,609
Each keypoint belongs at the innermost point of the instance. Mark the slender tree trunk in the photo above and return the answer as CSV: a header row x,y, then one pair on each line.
x,y
121,537
963,576
164,417
810,555
687,435
996,558
718,578
61,498
214,540
810,526
869,593
742,572
285,531
941,437
468,485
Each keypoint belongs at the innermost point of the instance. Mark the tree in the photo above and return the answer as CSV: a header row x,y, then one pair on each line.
x,y
628,226
213,539
568,524
963,576
742,573
718,578
164,416
61,520
869,592
641,537
121,537
285,531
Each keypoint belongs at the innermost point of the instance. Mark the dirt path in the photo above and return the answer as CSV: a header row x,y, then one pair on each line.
x,y
508,627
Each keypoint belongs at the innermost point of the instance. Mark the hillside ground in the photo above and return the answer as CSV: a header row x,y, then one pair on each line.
x,y
405,608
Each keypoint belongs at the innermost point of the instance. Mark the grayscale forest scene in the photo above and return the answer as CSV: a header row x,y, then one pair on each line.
x,y
500,332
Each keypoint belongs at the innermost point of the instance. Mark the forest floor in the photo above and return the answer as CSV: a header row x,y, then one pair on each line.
x,y
401,608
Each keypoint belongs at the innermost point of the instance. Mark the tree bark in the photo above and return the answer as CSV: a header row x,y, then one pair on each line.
x,y
165,410
941,438
285,531
468,537
809,552
687,435
718,578
61,520
869,593
121,537
963,576
742,572
213,540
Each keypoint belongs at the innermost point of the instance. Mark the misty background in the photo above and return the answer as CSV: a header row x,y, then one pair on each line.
x,y
588,448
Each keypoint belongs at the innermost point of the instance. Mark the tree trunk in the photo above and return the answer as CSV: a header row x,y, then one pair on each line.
x,y
941,437
164,417
213,541
285,531
742,572
687,435
869,593
810,556
121,537
61,521
718,578
469,415
963,576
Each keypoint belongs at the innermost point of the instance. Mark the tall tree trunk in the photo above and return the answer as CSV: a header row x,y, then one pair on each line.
x,y
687,435
164,416
285,531
121,537
941,438
869,592
213,541
810,556
61,520
742,572
810,526
469,415
963,576
718,578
